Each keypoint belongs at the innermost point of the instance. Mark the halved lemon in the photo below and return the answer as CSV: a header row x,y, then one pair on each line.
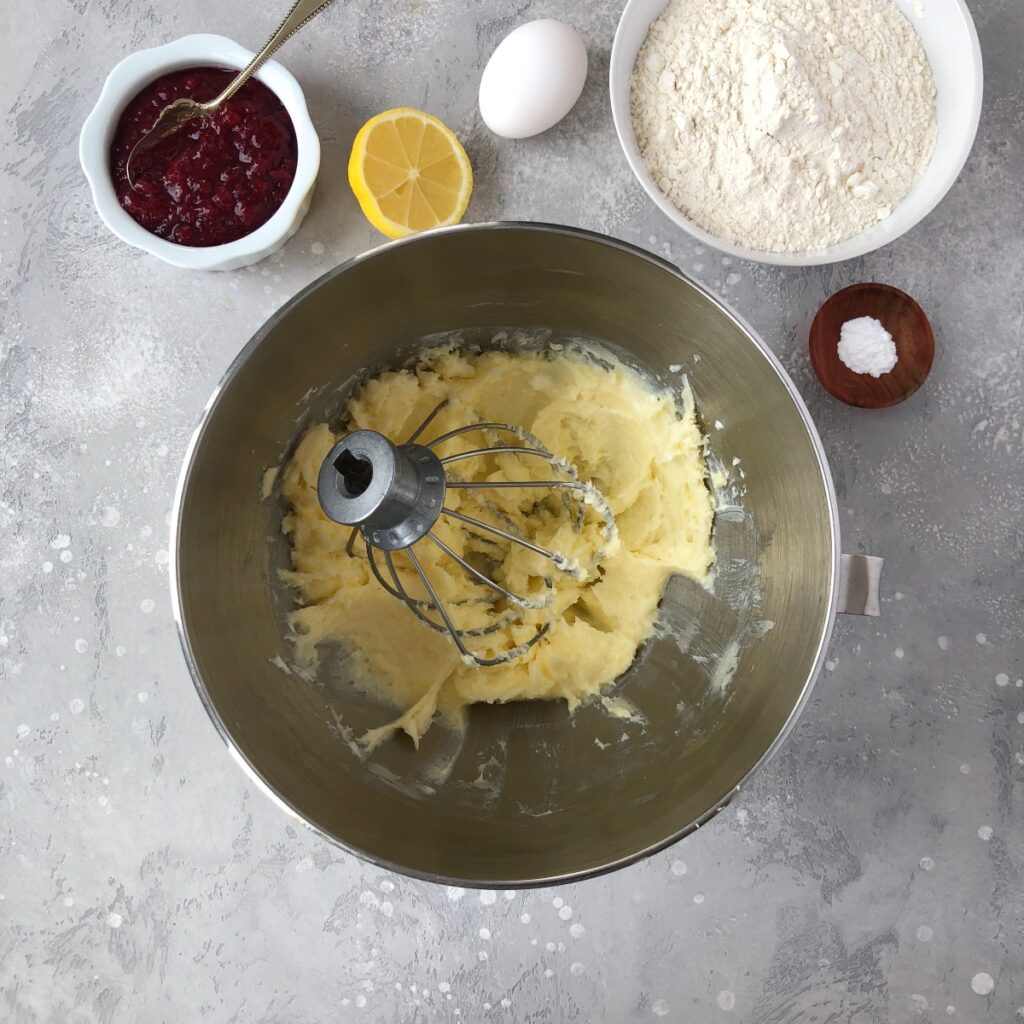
x,y
409,172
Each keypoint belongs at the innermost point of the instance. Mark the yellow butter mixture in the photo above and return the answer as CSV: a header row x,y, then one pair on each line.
x,y
640,448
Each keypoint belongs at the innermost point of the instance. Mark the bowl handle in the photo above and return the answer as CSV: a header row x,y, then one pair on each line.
x,y
859,576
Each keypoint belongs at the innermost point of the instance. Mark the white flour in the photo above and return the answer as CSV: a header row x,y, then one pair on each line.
x,y
784,125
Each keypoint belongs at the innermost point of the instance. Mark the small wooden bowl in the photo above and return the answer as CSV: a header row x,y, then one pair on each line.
x,y
901,316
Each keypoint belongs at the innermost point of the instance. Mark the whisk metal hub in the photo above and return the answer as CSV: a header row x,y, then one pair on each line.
x,y
393,493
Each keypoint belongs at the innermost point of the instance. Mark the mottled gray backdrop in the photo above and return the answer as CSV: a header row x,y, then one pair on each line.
x,y
874,872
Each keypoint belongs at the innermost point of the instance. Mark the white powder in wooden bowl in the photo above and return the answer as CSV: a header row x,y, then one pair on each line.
x,y
865,346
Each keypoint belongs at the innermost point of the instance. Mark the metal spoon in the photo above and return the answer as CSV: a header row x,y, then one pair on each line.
x,y
177,114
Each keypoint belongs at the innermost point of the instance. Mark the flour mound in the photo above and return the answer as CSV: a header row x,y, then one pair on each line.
x,y
784,125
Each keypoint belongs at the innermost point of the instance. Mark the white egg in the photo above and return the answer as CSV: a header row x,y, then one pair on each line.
x,y
533,79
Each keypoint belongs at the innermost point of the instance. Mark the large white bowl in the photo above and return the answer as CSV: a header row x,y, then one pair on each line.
x,y
950,42
141,68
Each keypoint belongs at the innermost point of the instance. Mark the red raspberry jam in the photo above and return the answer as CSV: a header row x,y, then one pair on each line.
x,y
218,178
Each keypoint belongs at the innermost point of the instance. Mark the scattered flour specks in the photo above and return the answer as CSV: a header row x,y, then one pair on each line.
x,y
679,867
1002,679
576,930
943,643
965,769
981,639
110,517
983,984
659,1008
485,933
114,919
81,645
576,968
147,605
143,697
23,731
525,917
698,898
898,652
565,913
927,863
77,706
66,555
487,898
726,1000
61,541
924,933
455,892
985,833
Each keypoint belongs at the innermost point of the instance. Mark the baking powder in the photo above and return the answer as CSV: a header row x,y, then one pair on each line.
x,y
865,346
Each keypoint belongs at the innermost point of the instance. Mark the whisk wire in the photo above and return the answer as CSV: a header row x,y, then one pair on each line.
x,y
488,484
498,449
439,605
479,524
415,605
469,428
477,575
426,423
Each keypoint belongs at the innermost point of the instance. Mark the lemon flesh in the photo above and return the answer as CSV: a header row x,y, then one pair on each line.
x,y
409,172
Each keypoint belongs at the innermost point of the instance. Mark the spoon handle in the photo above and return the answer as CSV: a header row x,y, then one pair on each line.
x,y
300,13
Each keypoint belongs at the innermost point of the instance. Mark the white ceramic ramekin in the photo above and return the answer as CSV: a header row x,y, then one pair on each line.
x,y
950,43
139,70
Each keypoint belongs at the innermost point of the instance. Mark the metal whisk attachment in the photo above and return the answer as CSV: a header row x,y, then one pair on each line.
x,y
394,495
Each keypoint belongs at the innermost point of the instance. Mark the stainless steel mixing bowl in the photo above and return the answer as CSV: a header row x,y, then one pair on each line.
x,y
531,794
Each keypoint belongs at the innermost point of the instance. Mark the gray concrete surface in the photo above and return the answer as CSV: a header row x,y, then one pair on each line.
x,y
874,872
